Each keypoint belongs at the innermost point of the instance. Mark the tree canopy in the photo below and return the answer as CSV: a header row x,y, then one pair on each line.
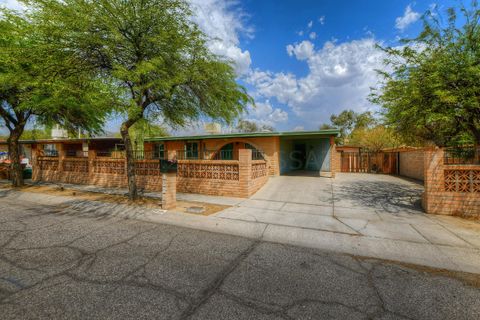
x,y
154,53
347,121
38,82
431,88
247,126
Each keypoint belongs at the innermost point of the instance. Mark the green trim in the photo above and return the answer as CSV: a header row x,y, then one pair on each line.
x,y
328,132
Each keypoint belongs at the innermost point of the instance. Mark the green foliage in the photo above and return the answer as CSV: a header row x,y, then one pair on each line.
x,y
432,87
33,81
246,126
152,51
347,121
375,139
142,129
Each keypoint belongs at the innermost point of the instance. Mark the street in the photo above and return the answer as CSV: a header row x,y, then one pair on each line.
x,y
59,262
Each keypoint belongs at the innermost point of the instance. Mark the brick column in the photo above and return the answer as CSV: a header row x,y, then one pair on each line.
x,y
244,171
91,165
61,158
433,175
35,165
169,190
333,157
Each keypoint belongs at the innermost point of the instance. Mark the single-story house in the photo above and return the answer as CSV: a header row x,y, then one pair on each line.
x,y
235,164
285,152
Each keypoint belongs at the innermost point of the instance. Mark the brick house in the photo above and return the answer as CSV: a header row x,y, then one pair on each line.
x,y
236,164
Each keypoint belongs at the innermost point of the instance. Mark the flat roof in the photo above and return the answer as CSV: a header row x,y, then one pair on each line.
x,y
328,132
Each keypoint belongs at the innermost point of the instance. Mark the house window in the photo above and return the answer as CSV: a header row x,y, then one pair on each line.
x,y
50,150
159,151
191,150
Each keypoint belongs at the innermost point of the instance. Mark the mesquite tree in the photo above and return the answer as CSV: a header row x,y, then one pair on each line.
x,y
39,83
432,89
154,52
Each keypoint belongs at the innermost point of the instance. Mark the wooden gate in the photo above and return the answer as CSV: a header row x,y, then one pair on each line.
x,y
382,162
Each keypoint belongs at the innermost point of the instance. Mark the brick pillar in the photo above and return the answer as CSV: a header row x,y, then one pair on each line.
x,y
171,154
245,171
169,190
333,157
434,177
91,165
35,165
61,157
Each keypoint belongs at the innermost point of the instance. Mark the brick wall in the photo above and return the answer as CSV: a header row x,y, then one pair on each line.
x,y
450,189
235,178
412,164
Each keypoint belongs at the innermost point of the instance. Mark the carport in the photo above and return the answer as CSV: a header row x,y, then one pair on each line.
x,y
305,153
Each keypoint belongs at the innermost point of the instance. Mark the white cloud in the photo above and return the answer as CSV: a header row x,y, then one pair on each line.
x,y
313,35
300,33
321,20
339,77
12,4
265,114
409,17
299,128
302,51
221,20
224,22
310,24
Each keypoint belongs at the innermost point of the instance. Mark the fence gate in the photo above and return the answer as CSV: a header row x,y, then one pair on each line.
x,y
382,162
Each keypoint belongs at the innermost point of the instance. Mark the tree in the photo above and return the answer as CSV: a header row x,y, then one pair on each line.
x,y
349,120
33,85
375,139
153,51
247,126
431,88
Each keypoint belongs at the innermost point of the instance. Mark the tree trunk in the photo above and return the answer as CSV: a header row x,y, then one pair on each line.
x,y
16,171
132,183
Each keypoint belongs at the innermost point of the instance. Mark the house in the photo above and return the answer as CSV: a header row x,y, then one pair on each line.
x,y
236,164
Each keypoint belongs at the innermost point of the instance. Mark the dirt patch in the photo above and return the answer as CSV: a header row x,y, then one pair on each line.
x,y
147,202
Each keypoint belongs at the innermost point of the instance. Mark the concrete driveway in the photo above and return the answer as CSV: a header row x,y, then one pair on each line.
x,y
345,204
366,214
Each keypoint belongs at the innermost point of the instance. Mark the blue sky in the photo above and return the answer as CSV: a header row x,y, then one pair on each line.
x,y
303,60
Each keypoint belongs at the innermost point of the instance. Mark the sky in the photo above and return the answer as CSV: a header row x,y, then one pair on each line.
x,y
303,60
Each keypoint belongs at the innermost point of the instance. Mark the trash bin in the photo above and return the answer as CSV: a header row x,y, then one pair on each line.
x,y
27,173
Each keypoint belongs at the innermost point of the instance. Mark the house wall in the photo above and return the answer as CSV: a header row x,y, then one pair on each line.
x,y
412,164
270,146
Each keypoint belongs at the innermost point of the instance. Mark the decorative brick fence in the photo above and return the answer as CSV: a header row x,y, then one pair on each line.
x,y
450,189
236,178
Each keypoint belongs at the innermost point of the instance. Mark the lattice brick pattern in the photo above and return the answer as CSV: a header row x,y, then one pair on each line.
x,y
259,170
462,181
147,168
48,164
208,171
75,166
109,167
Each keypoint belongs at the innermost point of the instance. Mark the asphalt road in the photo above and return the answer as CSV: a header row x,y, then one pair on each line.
x,y
61,263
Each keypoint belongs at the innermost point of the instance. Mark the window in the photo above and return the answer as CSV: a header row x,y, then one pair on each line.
x,y
226,153
50,150
256,154
191,150
159,151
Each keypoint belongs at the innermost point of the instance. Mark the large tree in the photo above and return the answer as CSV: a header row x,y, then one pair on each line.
x,y
154,52
34,85
432,84
347,121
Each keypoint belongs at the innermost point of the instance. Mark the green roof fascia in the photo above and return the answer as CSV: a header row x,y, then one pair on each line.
x,y
328,132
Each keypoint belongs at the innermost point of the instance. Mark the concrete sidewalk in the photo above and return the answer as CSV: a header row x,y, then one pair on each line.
x,y
444,242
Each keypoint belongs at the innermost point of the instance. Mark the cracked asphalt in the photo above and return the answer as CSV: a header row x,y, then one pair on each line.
x,y
59,262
